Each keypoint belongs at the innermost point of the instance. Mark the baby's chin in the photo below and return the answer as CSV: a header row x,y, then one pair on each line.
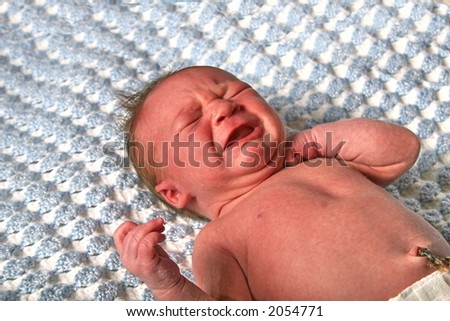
x,y
251,156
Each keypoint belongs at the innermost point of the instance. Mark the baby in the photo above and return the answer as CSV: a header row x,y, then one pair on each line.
x,y
305,220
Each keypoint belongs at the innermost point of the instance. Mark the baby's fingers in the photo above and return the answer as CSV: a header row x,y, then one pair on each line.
x,y
148,245
120,234
149,233
129,233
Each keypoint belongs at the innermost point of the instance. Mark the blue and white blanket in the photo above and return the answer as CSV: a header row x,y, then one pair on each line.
x,y
64,181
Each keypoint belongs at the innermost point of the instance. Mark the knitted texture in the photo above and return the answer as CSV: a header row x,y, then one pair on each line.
x,y
65,184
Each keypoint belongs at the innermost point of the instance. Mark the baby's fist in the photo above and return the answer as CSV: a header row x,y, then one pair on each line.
x,y
141,254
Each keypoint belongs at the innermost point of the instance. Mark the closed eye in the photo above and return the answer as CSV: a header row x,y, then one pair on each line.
x,y
186,119
195,121
192,124
240,92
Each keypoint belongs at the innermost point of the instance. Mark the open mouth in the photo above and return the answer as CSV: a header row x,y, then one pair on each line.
x,y
239,134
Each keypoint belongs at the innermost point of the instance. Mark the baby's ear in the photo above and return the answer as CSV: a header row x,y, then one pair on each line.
x,y
172,194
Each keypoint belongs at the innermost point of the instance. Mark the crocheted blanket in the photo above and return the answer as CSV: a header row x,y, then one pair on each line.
x,y
65,183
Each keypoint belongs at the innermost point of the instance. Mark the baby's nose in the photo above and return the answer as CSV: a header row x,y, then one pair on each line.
x,y
222,110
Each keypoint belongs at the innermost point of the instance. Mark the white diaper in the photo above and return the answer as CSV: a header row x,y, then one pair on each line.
x,y
433,287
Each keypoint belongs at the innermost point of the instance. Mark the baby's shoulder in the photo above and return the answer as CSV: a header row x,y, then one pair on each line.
x,y
208,234
211,241
216,234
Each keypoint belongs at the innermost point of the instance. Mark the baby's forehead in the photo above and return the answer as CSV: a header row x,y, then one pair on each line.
x,y
161,100
209,75
190,79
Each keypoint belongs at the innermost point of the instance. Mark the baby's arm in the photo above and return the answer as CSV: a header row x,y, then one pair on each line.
x,y
216,269
143,257
379,150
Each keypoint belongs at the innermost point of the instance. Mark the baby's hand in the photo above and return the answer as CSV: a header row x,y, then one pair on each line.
x,y
143,257
301,148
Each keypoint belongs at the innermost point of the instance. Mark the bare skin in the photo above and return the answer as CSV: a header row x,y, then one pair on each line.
x,y
322,228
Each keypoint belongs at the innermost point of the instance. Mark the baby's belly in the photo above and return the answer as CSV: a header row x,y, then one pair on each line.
x,y
315,243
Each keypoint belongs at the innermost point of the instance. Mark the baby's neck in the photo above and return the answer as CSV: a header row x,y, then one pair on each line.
x,y
223,208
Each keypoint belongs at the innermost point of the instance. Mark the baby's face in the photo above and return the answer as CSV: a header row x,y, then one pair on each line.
x,y
212,130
